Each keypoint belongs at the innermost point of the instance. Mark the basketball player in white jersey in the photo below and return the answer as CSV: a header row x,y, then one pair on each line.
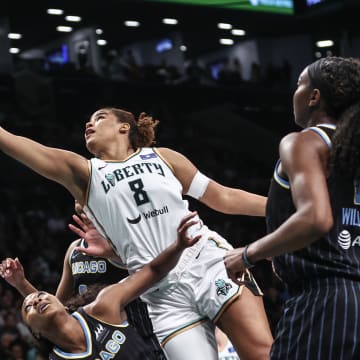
x,y
133,194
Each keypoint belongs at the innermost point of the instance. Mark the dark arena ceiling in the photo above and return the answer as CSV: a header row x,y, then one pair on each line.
x,y
196,23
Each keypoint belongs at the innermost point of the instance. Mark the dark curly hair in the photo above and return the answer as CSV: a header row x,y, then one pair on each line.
x,y
338,80
85,298
142,131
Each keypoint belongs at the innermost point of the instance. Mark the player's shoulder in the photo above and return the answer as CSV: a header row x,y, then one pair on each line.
x,y
76,242
295,141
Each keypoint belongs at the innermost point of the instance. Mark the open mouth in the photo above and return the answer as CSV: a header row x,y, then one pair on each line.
x,y
42,307
88,132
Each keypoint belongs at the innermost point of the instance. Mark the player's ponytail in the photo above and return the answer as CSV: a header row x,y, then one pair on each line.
x,y
144,135
345,153
142,131
338,80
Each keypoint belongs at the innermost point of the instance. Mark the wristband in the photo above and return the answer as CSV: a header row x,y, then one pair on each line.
x,y
248,264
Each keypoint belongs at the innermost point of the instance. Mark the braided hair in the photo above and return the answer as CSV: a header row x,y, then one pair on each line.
x,y
338,80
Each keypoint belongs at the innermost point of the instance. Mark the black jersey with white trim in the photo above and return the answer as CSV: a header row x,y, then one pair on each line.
x,y
87,270
337,254
105,341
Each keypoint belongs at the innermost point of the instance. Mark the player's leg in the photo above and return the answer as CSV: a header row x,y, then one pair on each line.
x,y
194,343
246,324
183,333
237,311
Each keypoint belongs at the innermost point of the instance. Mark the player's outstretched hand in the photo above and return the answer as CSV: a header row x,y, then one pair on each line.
x,y
184,239
12,271
97,245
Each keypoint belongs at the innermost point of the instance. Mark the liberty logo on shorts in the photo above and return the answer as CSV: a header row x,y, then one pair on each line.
x,y
222,287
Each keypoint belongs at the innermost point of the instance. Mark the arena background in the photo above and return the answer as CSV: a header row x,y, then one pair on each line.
x,y
225,106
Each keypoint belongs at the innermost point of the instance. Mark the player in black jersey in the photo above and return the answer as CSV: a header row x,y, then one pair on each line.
x,y
313,218
98,330
81,270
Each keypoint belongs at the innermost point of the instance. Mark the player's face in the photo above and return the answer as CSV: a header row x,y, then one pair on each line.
x,y
301,99
39,309
102,129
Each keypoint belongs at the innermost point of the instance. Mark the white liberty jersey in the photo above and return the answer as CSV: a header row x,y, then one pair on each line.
x,y
138,205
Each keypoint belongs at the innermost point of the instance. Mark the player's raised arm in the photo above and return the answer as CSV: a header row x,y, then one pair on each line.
x,y
13,272
66,168
113,297
221,198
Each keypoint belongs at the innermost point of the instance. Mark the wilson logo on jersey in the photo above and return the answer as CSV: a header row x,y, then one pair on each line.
x,y
345,241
